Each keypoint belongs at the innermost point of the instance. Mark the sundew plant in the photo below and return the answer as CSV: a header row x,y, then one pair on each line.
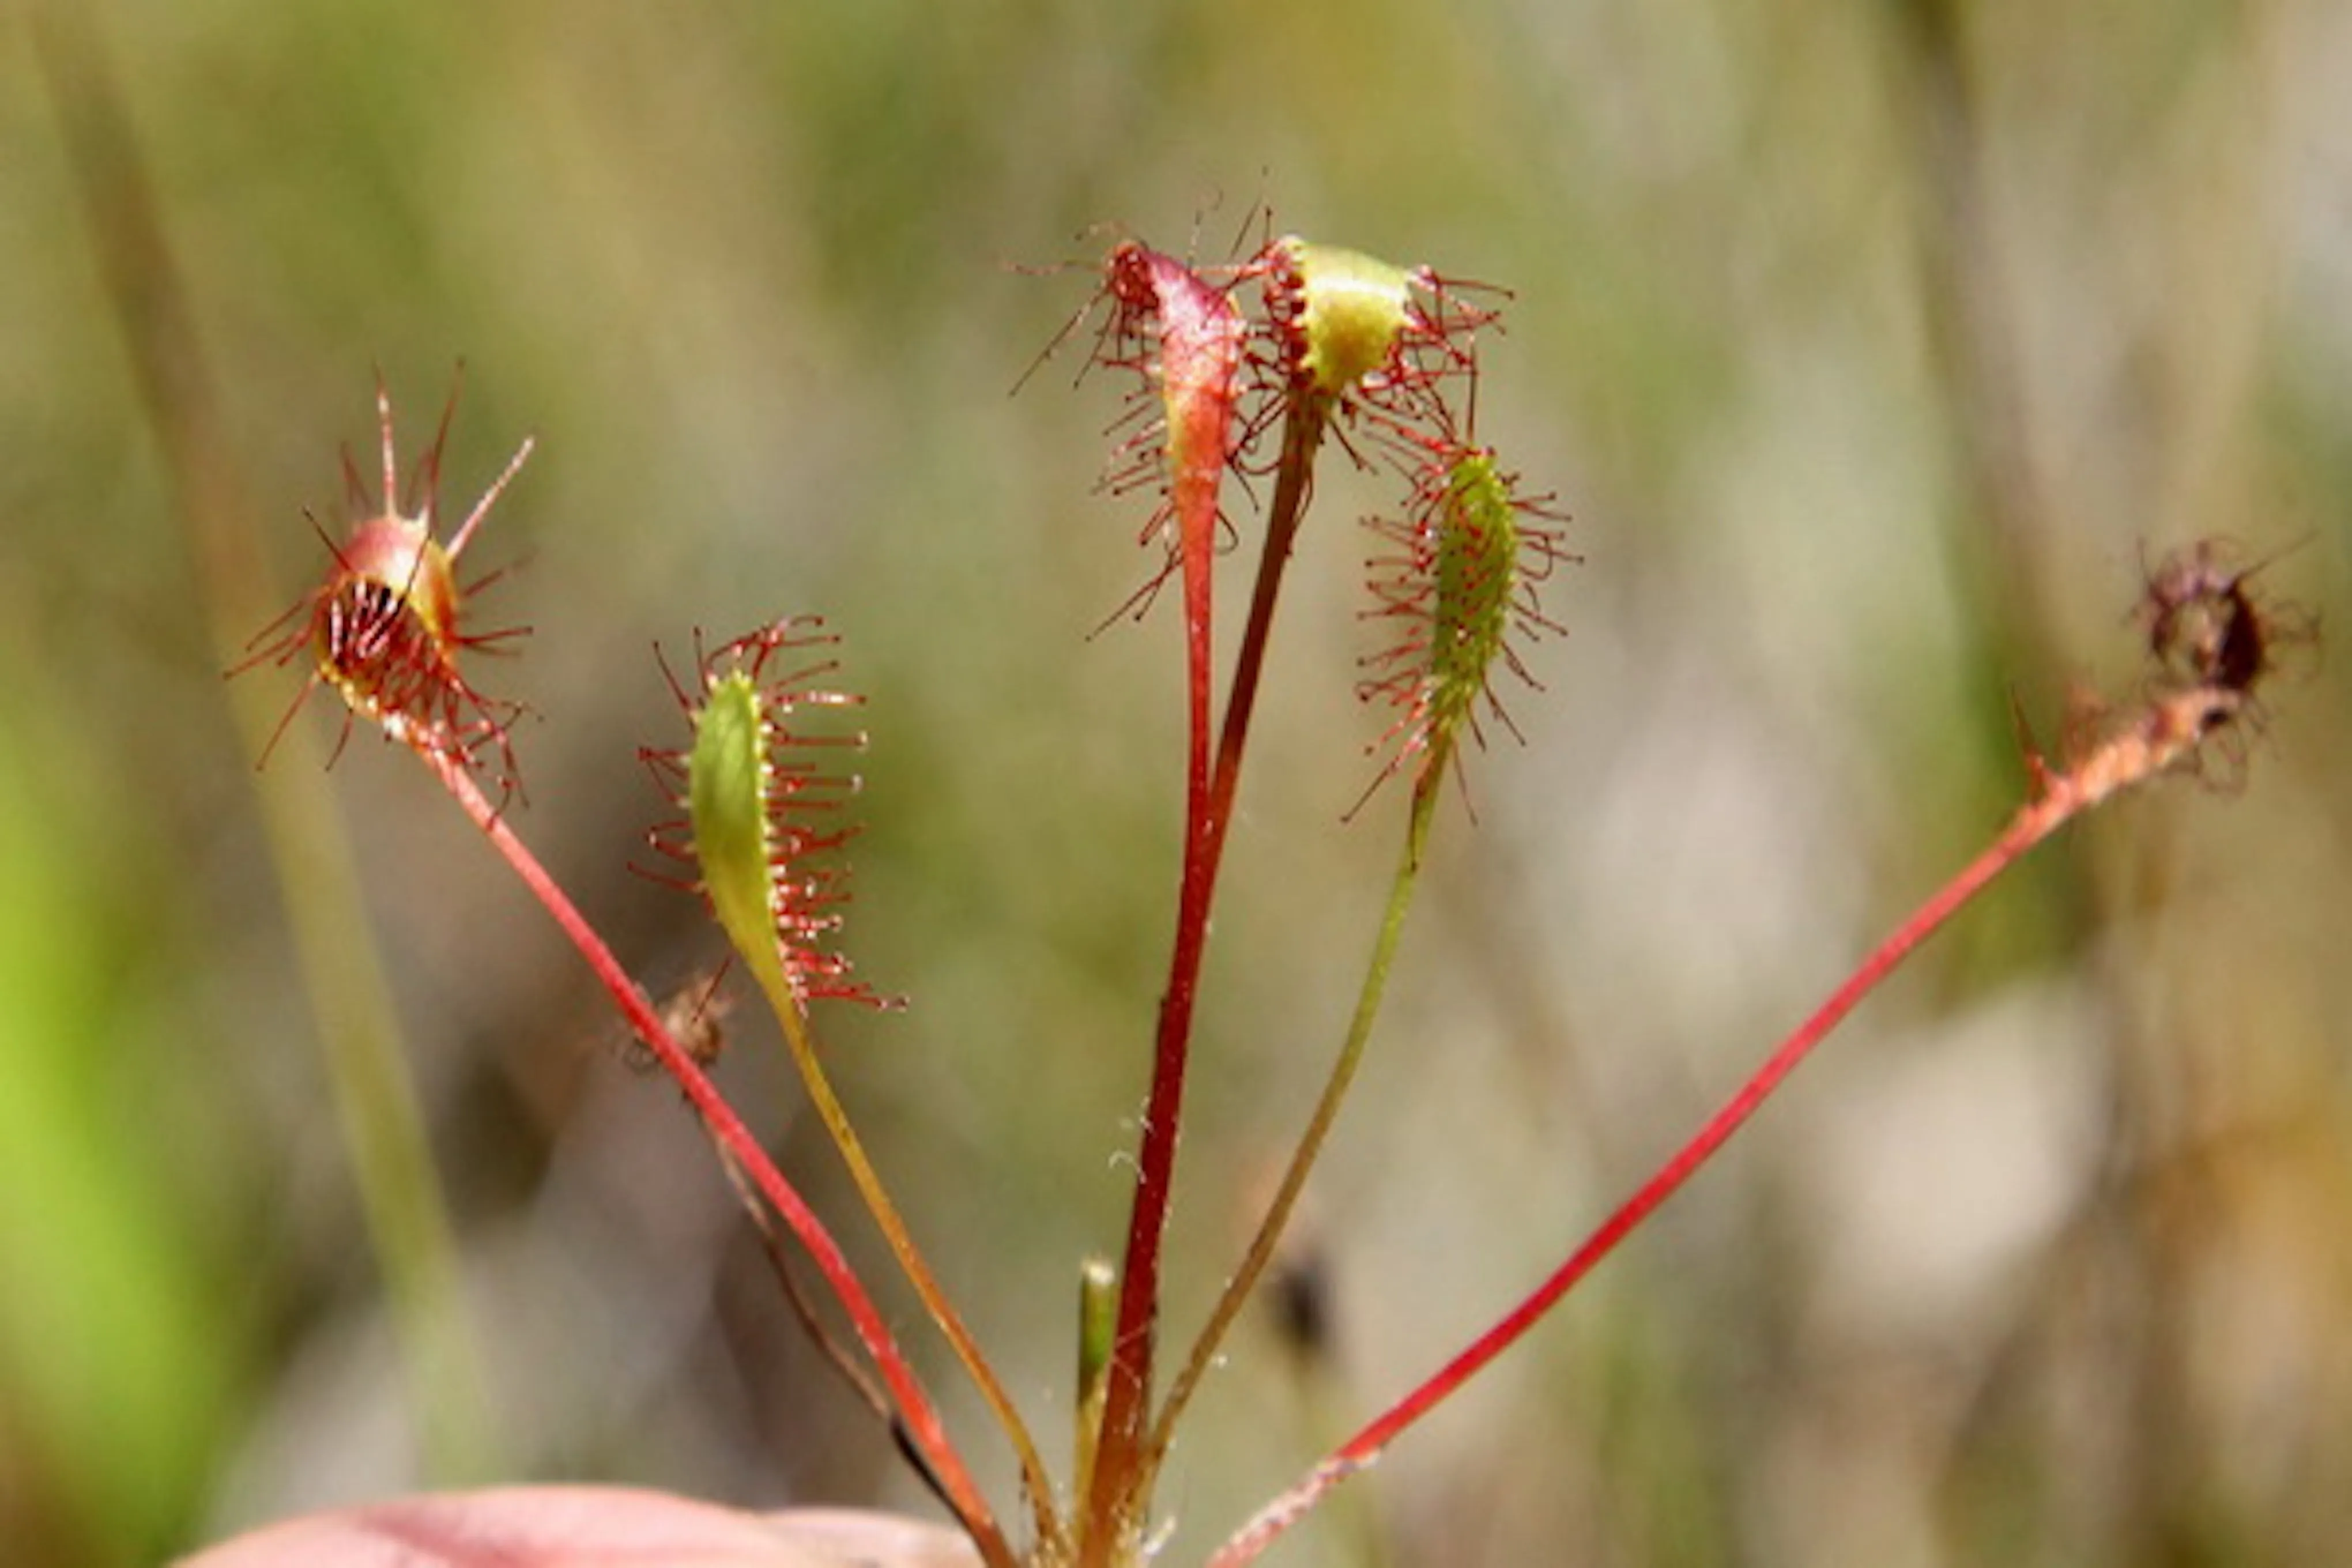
x,y
1242,386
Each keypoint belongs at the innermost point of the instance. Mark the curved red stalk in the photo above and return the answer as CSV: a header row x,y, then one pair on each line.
x,y
924,1428
2164,737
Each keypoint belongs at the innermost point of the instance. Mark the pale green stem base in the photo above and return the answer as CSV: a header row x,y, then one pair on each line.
x,y
1426,789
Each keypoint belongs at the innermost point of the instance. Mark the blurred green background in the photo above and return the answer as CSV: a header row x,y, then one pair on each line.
x,y
1874,347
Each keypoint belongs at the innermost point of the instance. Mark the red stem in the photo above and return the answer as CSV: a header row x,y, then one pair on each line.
x,y
1127,1394
1128,1390
2029,827
923,1425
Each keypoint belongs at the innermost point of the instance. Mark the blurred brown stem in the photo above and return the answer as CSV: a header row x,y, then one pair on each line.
x,y
374,1102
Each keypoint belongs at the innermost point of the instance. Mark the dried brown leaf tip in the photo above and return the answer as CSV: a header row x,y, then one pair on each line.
x,y
2213,639
387,625
2208,625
